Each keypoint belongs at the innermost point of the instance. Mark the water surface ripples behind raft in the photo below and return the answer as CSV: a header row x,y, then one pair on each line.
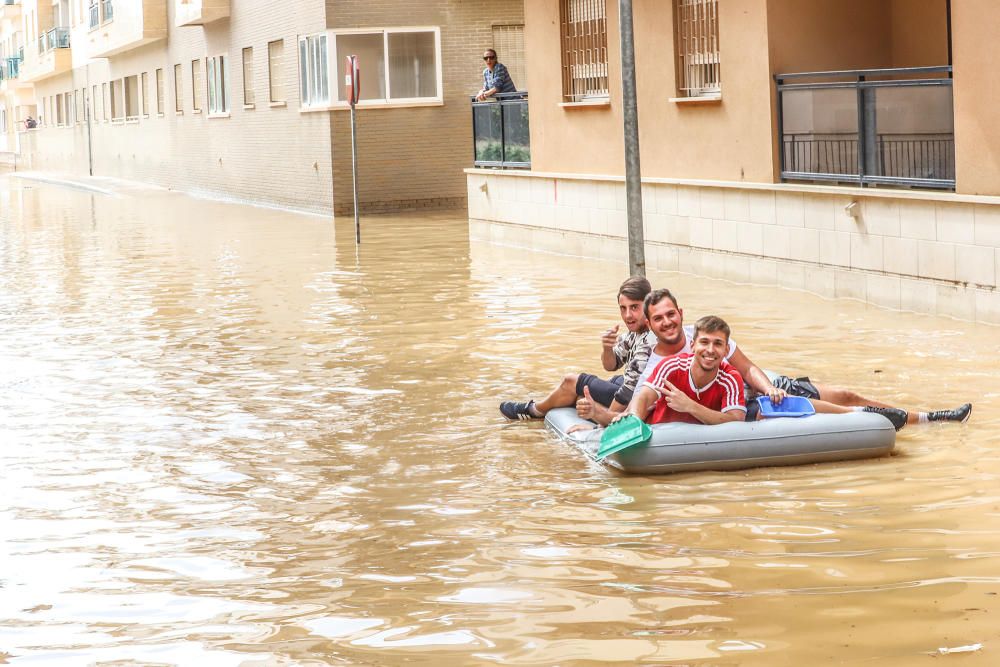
x,y
229,436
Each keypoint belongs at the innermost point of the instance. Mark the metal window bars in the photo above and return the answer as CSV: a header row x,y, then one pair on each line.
x,y
696,24
584,38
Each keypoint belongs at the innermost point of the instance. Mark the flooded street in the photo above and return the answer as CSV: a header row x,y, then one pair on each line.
x,y
229,438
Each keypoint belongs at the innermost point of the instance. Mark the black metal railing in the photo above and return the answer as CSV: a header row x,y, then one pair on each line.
x,y
500,131
868,127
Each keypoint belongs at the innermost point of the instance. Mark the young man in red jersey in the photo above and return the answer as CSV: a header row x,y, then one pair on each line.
x,y
699,387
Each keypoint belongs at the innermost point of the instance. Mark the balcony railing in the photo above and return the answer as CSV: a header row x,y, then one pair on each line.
x,y
10,68
500,131
56,38
868,127
94,17
108,10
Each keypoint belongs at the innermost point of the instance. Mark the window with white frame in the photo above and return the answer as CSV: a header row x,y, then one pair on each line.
x,y
218,97
696,38
144,79
130,97
248,98
314,70
118,99
397,64
196,85
159,91
275,64
178,89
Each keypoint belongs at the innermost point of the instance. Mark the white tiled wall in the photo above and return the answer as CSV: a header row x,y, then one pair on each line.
x,y
924,254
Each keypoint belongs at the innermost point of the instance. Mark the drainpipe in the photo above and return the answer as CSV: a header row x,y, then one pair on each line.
x,y
633,179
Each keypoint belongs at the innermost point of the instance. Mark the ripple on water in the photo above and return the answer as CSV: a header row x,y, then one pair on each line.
x,y
229,436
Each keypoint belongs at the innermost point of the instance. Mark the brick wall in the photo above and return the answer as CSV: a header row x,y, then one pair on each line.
x,y
414,157
410,157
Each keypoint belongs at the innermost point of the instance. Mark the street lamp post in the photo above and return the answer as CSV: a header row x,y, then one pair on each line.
x,y
633,178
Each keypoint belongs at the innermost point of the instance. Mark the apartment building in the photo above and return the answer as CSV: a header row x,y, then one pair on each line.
x,y
17,100
846,147
243,99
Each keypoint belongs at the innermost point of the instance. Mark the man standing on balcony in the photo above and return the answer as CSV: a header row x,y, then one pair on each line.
x,y
496,79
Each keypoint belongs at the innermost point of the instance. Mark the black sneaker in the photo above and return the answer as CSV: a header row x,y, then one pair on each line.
x,y
959,414
514,410
896,416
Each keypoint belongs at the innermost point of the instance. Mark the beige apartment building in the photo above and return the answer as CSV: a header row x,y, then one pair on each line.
x,y
17,98
243,99
846,147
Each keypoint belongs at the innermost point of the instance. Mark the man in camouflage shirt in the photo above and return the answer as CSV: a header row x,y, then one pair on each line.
x,y
596,398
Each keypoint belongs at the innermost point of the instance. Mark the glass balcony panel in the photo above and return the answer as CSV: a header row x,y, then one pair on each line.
x,y
517,138
820,133
914,132
487,124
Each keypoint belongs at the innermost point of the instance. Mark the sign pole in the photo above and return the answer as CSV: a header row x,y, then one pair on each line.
x,y
353,84
354,169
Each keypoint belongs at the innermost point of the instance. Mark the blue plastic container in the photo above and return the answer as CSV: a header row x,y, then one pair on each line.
x,y
791,406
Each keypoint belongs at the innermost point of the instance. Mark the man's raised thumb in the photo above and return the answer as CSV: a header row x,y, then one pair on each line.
x,y
586,392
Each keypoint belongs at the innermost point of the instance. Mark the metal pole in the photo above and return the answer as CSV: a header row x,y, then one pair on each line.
x,y
354,169
633,179
87,115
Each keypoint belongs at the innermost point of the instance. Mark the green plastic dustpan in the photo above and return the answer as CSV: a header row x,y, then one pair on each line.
x,y
623,433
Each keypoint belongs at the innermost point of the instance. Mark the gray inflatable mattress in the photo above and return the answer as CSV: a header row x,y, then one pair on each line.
x,y
739,445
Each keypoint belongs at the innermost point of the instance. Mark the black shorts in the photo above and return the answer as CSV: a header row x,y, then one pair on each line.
x,y
602,391
797,386
792,386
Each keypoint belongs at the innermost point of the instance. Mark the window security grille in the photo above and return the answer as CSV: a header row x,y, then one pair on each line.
x,y
584,32
697,40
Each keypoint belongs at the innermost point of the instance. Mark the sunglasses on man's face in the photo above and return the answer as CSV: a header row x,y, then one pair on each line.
x,y
489,57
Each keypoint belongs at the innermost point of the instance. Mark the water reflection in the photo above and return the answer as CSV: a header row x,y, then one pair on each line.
x,y
231,436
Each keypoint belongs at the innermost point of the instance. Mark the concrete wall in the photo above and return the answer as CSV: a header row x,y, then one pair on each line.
x,y
414,157
975,24
925,252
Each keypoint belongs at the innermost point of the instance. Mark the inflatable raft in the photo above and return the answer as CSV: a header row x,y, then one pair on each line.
x,y
738,445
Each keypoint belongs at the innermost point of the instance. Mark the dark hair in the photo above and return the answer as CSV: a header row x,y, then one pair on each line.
x,y
711,324
655,297
635,288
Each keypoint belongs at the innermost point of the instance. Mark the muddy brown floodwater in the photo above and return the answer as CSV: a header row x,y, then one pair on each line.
x,y
230,438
